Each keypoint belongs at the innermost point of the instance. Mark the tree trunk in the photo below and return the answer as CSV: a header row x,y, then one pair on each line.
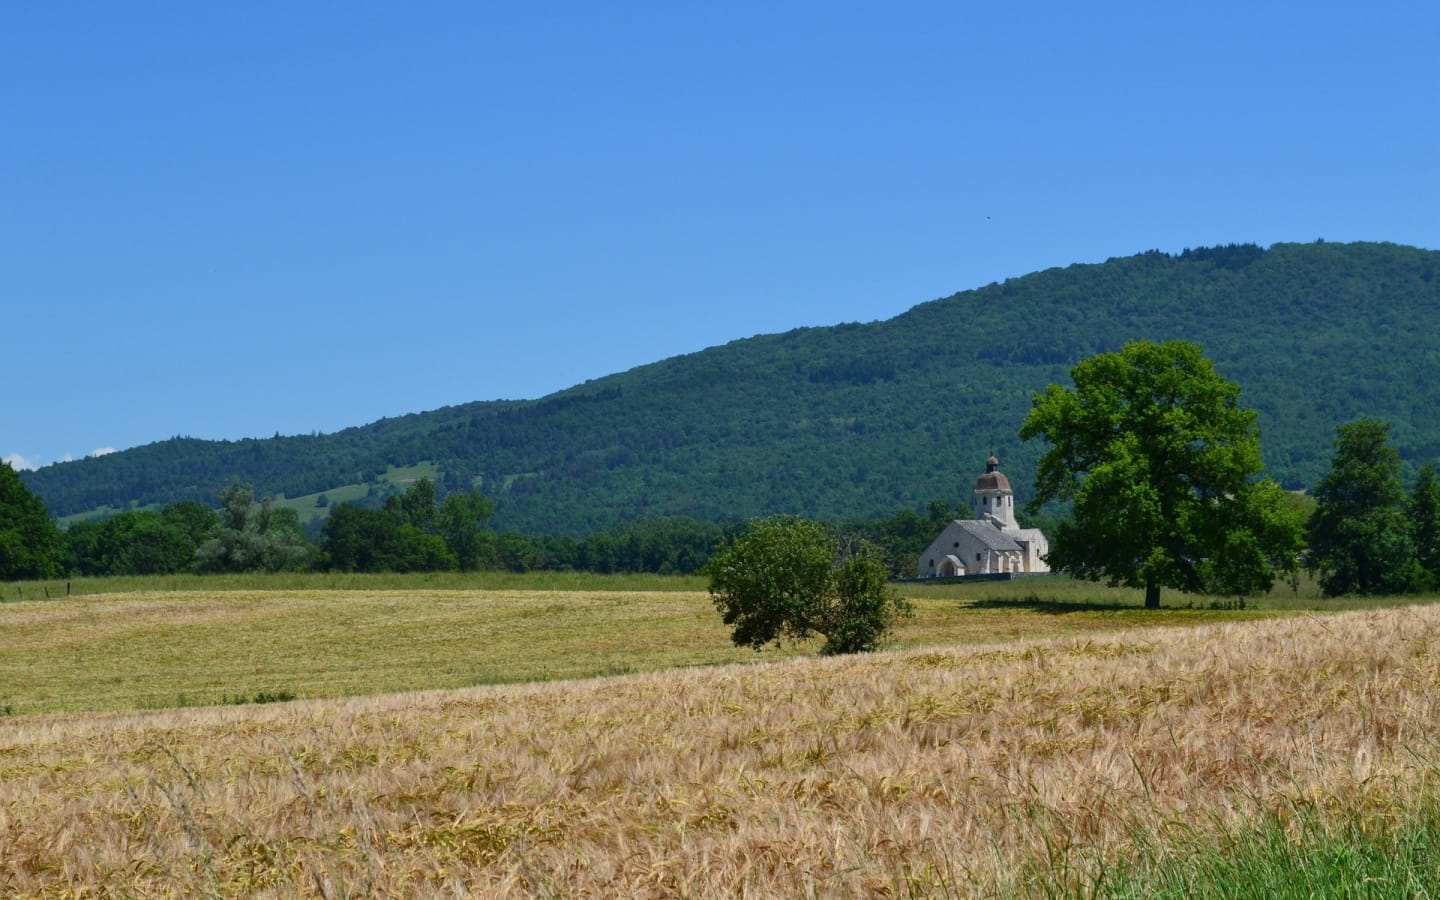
x,y
1152,595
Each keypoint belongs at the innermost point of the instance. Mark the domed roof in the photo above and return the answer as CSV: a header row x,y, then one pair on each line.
x,y
993,479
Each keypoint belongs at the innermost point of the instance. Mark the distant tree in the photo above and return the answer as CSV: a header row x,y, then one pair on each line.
x,y
459,521
355,539
902,537
253,537
1360,540
421,551
83,548
415,506
518,552
1422,508
135,542
411,532
1161,463
788,577
30,544
196,521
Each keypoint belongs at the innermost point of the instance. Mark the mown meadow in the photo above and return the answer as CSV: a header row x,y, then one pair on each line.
x,y
147,643
1040,738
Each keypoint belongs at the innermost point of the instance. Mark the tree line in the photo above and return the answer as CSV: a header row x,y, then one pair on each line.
x,y
413,531
417,530
1161,468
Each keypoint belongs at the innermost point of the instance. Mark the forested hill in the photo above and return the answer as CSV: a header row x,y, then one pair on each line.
x,y
853,421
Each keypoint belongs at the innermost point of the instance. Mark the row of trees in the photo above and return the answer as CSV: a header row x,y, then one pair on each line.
x,y
412,532
416,530
1162,467
243,535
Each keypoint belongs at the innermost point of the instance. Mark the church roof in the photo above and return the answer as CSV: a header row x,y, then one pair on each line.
x,y
988,535
993,479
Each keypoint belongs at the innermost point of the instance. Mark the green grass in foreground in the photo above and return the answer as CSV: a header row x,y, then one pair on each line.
x,y
1306,853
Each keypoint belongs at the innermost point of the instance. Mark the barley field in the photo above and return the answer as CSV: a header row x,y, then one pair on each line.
x,y
1099,763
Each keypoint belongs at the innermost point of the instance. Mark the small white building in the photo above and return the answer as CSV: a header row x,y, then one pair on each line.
x,y
991,542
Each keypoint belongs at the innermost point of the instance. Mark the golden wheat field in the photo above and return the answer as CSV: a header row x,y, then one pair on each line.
x,y
911,773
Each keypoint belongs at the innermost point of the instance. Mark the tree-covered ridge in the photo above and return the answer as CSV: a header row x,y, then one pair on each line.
x,y
855,421
186,468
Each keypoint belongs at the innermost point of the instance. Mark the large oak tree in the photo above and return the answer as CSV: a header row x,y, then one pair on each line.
x,y
1162,465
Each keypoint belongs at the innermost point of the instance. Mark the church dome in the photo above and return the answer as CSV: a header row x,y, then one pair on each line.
x,y
993,479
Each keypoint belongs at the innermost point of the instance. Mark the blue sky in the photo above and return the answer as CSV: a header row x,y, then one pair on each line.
x,y
229,220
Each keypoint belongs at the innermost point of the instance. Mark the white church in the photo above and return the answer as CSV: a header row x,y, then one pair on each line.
x,y
990,543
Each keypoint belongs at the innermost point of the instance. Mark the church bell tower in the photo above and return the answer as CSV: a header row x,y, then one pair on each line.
x,y
992,500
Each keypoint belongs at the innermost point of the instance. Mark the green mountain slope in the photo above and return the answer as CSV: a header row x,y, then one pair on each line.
x,y
853,421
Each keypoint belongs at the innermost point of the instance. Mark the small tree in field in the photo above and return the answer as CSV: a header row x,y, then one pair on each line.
x,y
790,578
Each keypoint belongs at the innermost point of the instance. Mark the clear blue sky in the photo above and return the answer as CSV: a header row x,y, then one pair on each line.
x,y
228,220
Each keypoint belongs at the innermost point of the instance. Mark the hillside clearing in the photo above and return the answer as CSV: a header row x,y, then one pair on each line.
x,y
996,769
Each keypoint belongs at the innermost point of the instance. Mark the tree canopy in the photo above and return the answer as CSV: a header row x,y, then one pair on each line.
x,y
412,532
788,577
1361,541
1423,510
29,542
1161,463
253,537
